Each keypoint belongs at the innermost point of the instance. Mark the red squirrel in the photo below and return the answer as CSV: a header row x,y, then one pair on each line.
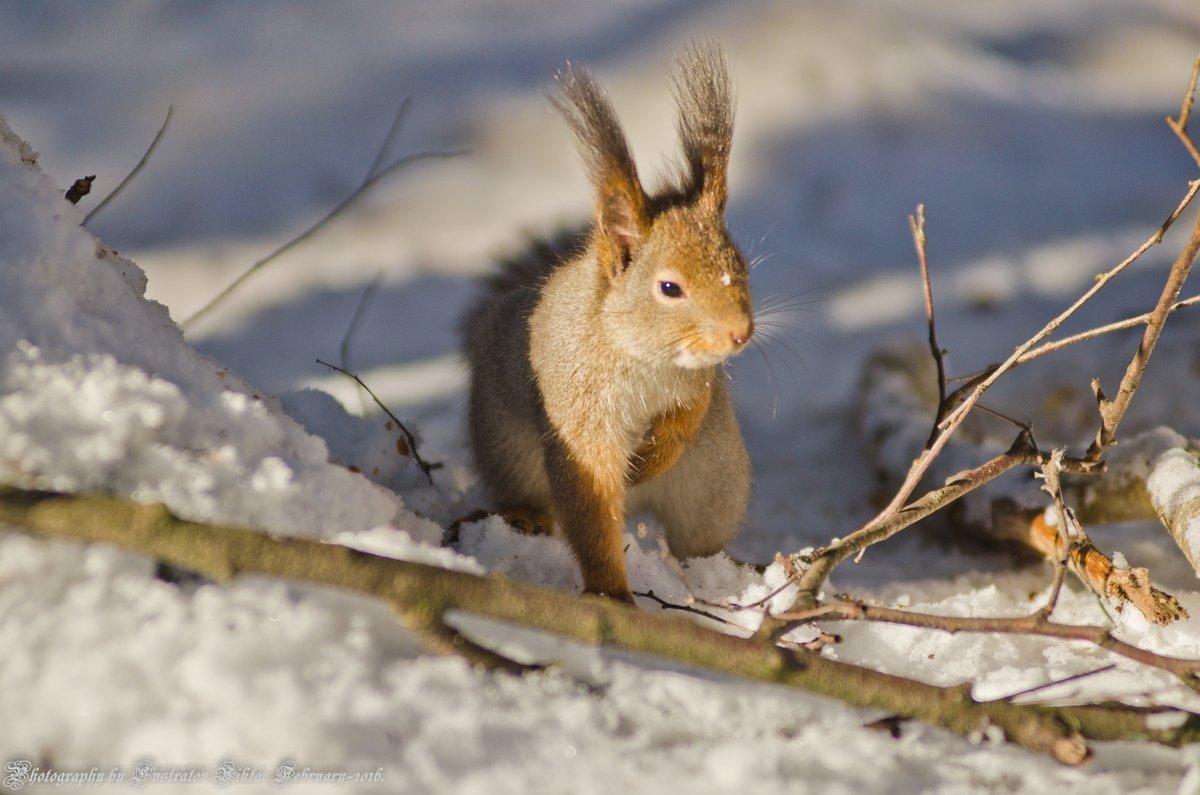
x,y
598,386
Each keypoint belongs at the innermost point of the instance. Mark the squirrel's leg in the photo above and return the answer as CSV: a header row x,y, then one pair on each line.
x,y
701,501
669,435
590,509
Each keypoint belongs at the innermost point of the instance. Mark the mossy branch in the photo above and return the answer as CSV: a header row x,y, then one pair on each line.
x,y
421,595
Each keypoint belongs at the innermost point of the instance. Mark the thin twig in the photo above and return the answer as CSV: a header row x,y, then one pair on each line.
x,y
986,378
1111,412
1032,624
385,148
917,224
1051,469
1083,336
1056,682
1179,126
359,311
665,605
426,466
136,169
341,207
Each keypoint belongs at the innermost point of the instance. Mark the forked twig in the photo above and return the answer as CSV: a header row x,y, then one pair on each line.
x,y
1021,355
136,169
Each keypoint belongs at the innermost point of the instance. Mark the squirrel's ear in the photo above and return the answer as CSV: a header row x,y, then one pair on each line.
x,y
620,200
705,98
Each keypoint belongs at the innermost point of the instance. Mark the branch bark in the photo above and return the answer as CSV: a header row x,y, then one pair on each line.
x,y
421,595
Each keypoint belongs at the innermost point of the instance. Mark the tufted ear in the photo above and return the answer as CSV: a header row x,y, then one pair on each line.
x,y
705,98
620,201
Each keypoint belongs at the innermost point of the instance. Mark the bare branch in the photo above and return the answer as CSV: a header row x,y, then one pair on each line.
x,y
385,148
986,378
966,397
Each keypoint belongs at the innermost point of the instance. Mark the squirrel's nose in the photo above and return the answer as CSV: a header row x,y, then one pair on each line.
x,y
741,334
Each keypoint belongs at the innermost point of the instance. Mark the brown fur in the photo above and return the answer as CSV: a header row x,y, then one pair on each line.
x,y
670,434
596,388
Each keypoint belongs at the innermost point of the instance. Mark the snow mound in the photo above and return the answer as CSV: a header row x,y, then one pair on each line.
x,y
100,391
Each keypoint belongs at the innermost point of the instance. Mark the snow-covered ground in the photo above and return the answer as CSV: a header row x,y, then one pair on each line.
x,y
1031,130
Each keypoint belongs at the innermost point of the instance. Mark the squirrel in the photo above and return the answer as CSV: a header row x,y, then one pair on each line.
x,y
597,385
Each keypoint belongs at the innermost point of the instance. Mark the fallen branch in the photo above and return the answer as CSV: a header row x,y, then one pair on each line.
x,y
421,596
1096,570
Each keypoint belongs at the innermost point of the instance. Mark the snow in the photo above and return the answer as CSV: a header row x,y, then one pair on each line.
x,y
1033,133
1174,486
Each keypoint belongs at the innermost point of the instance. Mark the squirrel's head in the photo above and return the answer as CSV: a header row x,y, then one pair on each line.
x,y
676,287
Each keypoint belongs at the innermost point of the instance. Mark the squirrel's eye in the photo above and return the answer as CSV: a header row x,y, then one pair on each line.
x,y
670,289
